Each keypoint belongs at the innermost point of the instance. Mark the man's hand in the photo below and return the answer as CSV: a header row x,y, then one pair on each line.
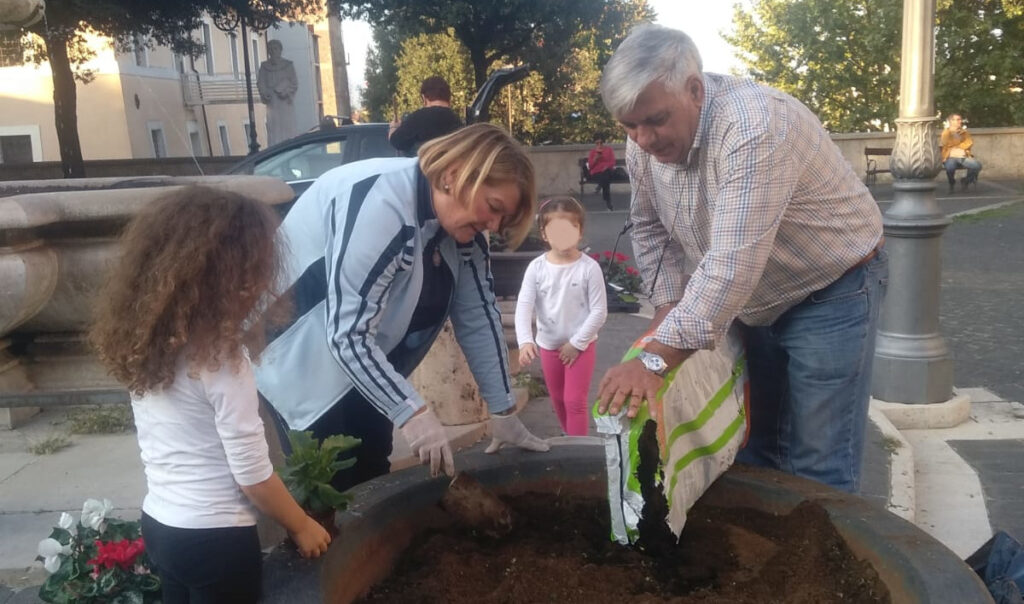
x,y
627,382
429,442
527,352
568,354
509,430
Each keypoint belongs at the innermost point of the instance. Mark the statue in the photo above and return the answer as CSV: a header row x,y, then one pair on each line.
x,y
277,85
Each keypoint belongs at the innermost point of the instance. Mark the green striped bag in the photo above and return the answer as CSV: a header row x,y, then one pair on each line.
x,y
701,418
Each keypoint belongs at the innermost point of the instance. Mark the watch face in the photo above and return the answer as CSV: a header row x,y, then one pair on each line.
x,y
653,362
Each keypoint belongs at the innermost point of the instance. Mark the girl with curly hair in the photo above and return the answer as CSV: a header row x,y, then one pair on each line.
x,y
177,324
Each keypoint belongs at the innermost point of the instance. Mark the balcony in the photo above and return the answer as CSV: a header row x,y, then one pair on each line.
x,y
215,89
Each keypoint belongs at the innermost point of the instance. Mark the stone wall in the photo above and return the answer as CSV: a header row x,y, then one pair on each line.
x,y
102,168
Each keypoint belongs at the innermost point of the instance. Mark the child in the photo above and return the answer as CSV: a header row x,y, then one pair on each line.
x,y
566,288
176,324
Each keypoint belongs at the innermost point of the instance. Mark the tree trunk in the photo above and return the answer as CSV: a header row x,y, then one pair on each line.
x,y
65,108
339,65
479,58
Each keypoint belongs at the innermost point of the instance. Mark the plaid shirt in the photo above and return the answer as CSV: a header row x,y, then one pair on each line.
x,y
764,211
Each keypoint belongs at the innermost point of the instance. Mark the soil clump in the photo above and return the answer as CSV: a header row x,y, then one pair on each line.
x,y
560,551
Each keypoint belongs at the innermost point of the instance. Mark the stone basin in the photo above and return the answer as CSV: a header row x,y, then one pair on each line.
x,y
390,511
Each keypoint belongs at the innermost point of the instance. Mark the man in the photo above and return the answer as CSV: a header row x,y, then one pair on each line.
x,y
600,164
956,151
743,181
434,119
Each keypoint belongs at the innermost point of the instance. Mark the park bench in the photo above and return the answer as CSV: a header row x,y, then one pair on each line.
x,y
619,173
872,168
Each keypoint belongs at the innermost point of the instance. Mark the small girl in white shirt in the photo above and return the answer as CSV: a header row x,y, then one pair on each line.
x,y
565,289
175,325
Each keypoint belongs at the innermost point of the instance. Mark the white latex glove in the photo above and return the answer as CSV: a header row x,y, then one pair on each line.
x,y
509,430
427,439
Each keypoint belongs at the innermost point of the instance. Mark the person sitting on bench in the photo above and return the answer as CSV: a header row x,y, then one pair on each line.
x,y
601,166
956,151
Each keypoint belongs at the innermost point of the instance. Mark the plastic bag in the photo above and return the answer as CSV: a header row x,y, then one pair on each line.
x,y
700,421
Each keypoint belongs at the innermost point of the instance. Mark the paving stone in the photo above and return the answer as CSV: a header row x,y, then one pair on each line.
x,y
999,468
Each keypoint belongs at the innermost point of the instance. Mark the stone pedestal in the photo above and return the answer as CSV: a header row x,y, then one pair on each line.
x,y
444,380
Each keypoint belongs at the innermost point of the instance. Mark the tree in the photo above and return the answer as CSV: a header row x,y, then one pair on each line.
x,y
558,103
842,57
63,42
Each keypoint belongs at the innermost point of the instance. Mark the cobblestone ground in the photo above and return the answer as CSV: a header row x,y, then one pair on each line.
x,y
982,306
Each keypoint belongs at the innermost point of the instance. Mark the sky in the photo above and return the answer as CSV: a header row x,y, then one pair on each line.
x,y
701,19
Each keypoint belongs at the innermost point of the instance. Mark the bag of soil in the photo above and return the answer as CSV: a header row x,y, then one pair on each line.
x,y
675,447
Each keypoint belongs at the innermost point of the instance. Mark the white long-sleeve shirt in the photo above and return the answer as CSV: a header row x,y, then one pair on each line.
x,y
569,301
201,439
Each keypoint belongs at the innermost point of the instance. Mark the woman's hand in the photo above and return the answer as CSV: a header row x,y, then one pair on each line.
x,y
568,354
312,539
527,352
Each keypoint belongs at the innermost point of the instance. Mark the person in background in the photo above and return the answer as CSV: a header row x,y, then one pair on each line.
x,y
382,252
434,119
564,289
742,182
600,165
956,146
176,326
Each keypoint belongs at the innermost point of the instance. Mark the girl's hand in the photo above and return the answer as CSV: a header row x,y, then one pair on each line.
x,y
568,354
527,352
312,539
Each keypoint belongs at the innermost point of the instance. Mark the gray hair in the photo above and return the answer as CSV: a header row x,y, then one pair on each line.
x,y
650,53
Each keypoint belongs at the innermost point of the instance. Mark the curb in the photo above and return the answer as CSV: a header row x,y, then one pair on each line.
x,y
902,499
931,416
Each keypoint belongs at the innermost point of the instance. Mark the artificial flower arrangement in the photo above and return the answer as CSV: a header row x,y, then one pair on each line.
x,y
97,559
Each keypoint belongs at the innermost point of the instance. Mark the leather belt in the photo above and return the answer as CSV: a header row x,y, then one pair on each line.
x,y
869,257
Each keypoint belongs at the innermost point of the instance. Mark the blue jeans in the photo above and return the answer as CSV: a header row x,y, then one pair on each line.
x,y
810,380
973,168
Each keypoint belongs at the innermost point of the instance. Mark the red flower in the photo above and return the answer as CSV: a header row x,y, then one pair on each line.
x,y
118,553
596,256
620,257
631,271
607,253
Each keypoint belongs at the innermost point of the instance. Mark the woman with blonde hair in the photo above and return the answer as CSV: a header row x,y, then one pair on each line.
x,y
383,251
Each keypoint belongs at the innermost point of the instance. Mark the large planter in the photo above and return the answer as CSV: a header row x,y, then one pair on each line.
x,y
390,511
508,269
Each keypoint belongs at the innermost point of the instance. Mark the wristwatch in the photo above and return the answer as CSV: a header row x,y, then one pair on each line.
x,y
653,362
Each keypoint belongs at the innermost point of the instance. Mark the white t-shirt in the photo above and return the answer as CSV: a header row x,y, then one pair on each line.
x,y
569,300
201,439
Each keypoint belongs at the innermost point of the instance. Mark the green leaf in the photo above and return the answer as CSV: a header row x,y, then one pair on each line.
x,y
149,582
108,581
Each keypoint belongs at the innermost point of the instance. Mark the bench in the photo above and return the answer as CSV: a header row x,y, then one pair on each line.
x,y
619,173
871,165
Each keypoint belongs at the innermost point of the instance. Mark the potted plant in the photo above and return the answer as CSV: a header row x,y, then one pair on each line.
x,y
621,281
308,470
508,267
96,559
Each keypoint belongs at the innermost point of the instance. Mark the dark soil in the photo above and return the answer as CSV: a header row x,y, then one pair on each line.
x,y
560,551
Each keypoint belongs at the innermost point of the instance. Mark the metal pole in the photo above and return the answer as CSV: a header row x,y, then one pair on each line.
x,y
912,362
254,145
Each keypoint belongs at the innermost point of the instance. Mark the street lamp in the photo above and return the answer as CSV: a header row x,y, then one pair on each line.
x,y
228,23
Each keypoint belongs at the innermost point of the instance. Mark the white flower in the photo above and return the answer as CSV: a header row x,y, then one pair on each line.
x,y
51,550
66,521
94,511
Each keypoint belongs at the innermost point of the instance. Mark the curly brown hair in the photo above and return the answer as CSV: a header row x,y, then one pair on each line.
x,y
195,273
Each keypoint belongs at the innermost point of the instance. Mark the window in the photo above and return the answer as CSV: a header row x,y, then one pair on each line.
x,y
16,149
305,162
156,137
195,142
141,53
225,142
233,44
255,54
12,50
208,45
246,133
179,63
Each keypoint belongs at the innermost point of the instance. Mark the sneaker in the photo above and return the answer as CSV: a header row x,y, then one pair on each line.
x,y
597,189
609,204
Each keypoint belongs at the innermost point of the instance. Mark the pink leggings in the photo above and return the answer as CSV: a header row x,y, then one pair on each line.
x,y
568,387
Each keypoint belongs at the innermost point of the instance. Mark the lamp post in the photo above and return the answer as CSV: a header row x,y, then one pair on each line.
x,y
228,23
912,362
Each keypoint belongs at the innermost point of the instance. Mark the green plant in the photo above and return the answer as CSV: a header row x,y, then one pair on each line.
x,y
617,272
308,470
49,445
106,419
97,559
534,388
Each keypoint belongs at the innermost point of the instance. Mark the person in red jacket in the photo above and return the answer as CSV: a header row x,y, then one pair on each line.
x,y
600,164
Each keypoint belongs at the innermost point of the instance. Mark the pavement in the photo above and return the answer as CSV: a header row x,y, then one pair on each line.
x,y
959,484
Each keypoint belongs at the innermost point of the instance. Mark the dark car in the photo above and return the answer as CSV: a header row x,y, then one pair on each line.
x,y
301,160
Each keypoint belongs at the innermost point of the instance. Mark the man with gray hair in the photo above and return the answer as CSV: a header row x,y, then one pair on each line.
x,y
744,210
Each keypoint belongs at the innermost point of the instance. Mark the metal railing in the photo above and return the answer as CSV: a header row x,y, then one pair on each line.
x,y
215,89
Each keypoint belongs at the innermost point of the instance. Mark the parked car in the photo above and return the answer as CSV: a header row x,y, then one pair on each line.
x,y
301,160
